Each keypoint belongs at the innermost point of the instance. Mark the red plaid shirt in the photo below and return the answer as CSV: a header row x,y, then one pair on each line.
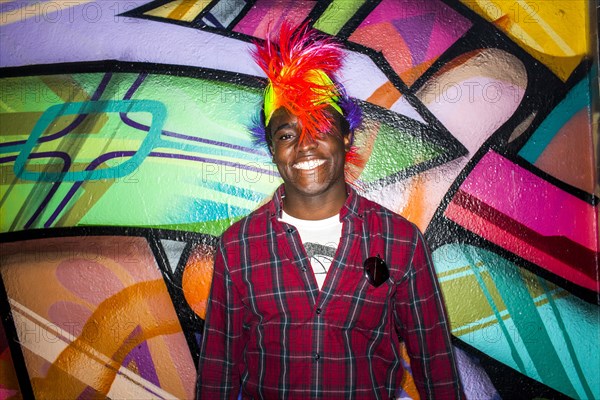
x,y
270,330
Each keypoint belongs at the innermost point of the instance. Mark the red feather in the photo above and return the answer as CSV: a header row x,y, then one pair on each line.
x,y
292,64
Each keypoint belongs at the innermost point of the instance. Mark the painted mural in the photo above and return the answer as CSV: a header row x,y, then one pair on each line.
x,y
124,154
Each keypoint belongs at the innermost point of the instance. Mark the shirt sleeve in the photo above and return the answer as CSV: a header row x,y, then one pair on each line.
x,y
222,341
422,324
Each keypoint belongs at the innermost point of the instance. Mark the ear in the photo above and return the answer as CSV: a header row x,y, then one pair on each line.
x,y
348,140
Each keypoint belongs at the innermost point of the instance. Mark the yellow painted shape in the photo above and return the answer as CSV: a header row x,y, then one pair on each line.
x,y
188,10
463,315
181,10
555,32
4,107
17,124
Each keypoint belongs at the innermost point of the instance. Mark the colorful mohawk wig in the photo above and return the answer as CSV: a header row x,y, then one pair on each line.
x,y
301,70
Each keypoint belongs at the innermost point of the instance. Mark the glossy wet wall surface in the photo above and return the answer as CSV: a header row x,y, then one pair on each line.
x,y
124,153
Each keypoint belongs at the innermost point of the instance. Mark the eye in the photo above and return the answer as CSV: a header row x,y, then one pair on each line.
x,y
285,136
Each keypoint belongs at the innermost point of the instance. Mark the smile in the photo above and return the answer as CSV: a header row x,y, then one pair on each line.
x,y
308,165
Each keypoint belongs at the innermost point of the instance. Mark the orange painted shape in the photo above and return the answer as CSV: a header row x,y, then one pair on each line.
x,y
182,9
569,156
385,38
415,209
197,277
408,383
385,95
412,74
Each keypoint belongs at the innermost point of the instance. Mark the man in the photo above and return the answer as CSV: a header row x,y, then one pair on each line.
x,y
278,328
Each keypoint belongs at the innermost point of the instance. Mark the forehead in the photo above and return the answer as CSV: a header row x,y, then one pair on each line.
x,y
283,116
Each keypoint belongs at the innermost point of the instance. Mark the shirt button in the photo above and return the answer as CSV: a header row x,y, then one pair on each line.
x,y
318,311
303,269
290,230
317,356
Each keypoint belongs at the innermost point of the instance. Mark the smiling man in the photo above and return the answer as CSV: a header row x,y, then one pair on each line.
x,y
314,292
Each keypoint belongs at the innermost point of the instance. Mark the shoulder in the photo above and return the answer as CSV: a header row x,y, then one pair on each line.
x,y
378,215
252,224
389,234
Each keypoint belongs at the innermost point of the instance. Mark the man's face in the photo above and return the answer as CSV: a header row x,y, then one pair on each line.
x,y
311,167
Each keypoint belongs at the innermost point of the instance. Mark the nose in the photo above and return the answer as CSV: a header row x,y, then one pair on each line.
x,y
307,143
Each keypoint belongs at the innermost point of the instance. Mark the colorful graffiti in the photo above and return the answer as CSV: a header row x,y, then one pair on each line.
x,y
124,155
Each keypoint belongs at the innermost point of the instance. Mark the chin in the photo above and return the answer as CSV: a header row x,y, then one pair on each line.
x,y
313,188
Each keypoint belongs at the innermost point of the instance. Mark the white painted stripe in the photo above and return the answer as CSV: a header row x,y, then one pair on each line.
x,y
547,28
126,384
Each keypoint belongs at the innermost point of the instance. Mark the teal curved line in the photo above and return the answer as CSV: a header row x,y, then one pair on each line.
x,y
11,149
529,323
154,107
575,100
513,350
567,339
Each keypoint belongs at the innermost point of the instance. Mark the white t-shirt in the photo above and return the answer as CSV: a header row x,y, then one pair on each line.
x,y
320,239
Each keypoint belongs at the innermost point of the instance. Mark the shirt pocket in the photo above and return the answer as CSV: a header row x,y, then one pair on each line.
x,y
373,304
358,305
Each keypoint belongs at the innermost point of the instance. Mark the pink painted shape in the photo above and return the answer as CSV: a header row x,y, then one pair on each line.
x,y
267,16
89,280
71,317
469,108
6,393
531,201
514,244
449,25
388,10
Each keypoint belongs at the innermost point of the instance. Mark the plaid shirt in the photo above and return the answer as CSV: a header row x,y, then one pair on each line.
x,y
269,328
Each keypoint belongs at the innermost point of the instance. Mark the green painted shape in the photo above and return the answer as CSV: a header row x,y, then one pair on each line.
x,y
528,323
170,193
396,150
577,99
337,14
158,191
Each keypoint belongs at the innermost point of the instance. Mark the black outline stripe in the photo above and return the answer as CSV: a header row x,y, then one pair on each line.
x,y
14,346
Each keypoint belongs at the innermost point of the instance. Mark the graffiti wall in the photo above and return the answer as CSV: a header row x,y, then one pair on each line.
x,y
124,154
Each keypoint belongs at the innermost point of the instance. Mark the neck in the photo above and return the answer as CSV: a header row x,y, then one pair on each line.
x,y
315,207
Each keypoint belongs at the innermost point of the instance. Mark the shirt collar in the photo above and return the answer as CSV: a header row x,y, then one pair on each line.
x,y
350,209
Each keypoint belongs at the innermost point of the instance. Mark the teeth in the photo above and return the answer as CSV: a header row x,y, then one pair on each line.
x,y
307,165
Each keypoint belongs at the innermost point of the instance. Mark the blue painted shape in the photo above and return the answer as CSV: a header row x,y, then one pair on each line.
x,y
154,107
577,99
208,210
528,323
236,191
